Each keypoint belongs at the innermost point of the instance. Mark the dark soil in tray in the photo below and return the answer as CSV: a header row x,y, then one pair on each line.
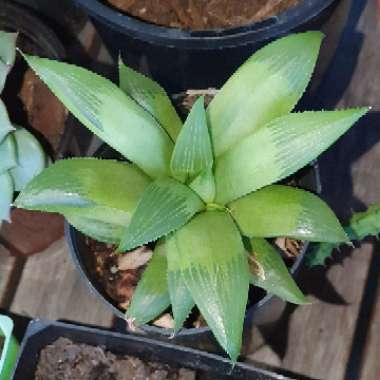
x,y
66,360
203,14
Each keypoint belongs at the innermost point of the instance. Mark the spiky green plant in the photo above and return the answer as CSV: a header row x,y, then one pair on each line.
x,y
198,188
360,226
21,155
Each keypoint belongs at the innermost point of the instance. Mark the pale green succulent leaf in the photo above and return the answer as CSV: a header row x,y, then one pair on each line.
x,y
204,185
5,124
7,55
193,151
180,297
273,275
208,252
6,191
279,149
109,113
31,158
152,97
279,210
84,182
8,157
151,296
102,223
267,86
165,206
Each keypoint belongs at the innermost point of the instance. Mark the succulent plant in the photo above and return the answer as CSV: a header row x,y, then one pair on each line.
x,y
360,226
201,188
21,155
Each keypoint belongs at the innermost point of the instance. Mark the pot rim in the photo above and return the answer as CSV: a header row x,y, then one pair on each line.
x,y
33,27
70,232
205,39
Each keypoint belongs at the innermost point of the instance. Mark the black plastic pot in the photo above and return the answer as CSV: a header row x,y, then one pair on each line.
x,y
42,333
16,18
35,38
181,59
264,312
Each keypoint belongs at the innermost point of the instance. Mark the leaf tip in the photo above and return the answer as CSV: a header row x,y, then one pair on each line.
x,y
233,352
308,301
357,113
361,111
120,59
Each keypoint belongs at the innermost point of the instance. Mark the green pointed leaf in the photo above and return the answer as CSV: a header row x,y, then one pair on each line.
x,y
278,150
181,300
165,206
151,296
209,254
102,223
192,151
204,185
84,182
267,86
5,124
7,55
31,158
279,210
152,97
109,113
7,153
275,277
6,191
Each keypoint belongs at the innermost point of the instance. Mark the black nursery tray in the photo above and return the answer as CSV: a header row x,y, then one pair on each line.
x,y
41,333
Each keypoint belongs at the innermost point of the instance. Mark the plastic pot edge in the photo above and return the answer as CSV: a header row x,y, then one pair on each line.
x,y
195,359
208,39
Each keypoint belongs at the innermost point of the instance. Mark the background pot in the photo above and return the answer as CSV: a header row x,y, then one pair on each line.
x,y
14,17
265,312
41,333
35,36
180,59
